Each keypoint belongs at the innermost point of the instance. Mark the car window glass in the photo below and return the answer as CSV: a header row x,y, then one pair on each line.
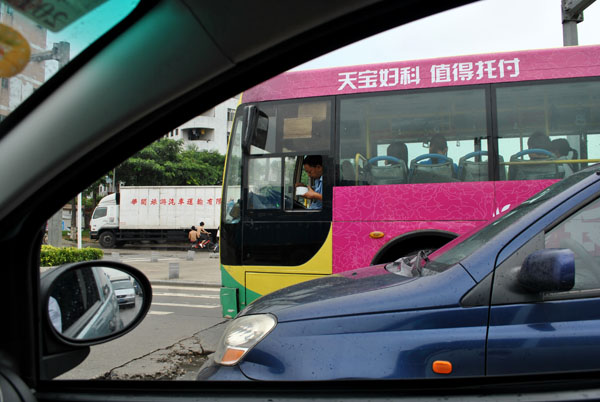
x,y
298,128
77,289
576,233
52,49
99,212
581,233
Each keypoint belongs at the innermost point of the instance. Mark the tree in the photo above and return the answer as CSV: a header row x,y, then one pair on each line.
x,y
200,168
165,163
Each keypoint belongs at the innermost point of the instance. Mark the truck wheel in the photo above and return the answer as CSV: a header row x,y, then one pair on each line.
x,y
107,239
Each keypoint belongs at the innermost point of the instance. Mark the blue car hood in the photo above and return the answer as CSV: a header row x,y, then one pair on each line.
x,y
366,290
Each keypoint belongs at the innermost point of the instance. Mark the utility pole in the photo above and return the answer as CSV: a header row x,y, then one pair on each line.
x,y
572,14
60,52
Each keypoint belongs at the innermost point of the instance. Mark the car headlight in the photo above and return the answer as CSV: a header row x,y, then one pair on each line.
x,y
241,335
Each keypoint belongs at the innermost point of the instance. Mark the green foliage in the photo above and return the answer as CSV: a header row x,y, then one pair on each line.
x,y
92,190
166,163
52,256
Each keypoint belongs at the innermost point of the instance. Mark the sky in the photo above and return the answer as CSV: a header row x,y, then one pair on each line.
x,y
91,26
487,26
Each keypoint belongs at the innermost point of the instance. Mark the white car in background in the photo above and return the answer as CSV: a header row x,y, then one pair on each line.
x,y
124,291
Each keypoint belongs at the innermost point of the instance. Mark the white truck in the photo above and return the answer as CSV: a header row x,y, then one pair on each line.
x,y
162,214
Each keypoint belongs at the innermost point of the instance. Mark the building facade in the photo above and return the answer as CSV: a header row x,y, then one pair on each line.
x,y
209,131
14,90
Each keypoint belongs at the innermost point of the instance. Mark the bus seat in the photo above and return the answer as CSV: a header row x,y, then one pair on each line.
x,y
573,154
429,172
534,171
474,170
391,174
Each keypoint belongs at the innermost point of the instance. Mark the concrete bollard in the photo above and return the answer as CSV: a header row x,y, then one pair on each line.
x,y
154,257
190,255
173,270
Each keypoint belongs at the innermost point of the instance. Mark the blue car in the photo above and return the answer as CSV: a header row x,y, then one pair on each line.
x,y
521,295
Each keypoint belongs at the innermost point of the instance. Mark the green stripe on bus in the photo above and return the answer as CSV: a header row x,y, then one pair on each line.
x,y
244,296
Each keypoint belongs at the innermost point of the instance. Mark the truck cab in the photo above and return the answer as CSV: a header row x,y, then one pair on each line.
x,y
105,217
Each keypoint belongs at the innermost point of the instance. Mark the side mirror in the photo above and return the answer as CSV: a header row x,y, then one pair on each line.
x,y
94,301
256,127
88,303
548,270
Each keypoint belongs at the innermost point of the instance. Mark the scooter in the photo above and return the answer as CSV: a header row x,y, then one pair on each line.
x,y
206,244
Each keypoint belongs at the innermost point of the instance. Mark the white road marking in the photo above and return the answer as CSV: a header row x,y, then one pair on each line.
x,y
159,312
184,305
210,289
185,295
146,259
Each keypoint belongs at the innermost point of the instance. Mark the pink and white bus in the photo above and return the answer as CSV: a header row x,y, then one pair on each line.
x,y
412,153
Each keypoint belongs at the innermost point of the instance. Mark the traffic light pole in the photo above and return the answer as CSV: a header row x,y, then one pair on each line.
x,y
572,14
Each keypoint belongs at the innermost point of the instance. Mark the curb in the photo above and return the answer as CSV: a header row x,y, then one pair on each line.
x,y
185,283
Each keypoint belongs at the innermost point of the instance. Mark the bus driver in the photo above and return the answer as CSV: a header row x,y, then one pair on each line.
x,y
313,165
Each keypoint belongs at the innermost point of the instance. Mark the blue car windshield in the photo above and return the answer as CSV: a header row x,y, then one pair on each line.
x,y
464,246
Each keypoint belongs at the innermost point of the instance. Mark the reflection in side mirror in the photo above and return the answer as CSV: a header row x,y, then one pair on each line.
x,y
93,301
548,270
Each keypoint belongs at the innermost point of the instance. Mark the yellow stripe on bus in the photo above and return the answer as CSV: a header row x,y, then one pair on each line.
x,y
319,265
265,283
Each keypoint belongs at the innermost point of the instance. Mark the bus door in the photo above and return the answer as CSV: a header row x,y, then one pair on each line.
x,y
283,230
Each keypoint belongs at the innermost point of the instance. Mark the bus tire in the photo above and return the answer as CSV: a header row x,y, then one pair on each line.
x,y
409,245
107,239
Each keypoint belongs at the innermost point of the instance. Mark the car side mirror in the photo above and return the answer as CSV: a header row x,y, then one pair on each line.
x,y
548,270
87,303
94,301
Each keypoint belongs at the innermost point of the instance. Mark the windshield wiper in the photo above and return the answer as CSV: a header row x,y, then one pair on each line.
x,y
411,267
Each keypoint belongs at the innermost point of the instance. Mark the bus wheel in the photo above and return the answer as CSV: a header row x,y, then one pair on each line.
x,y
107,239
409,248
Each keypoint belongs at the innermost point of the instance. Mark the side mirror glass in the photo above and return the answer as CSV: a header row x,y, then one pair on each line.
x,y
256,127
94,301
548,270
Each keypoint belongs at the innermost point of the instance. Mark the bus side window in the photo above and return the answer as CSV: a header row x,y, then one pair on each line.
x,y
372,123
563,112
264,183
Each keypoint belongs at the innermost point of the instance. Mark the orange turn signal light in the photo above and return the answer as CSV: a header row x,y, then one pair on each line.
x,y
376,235
232,356
442,367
